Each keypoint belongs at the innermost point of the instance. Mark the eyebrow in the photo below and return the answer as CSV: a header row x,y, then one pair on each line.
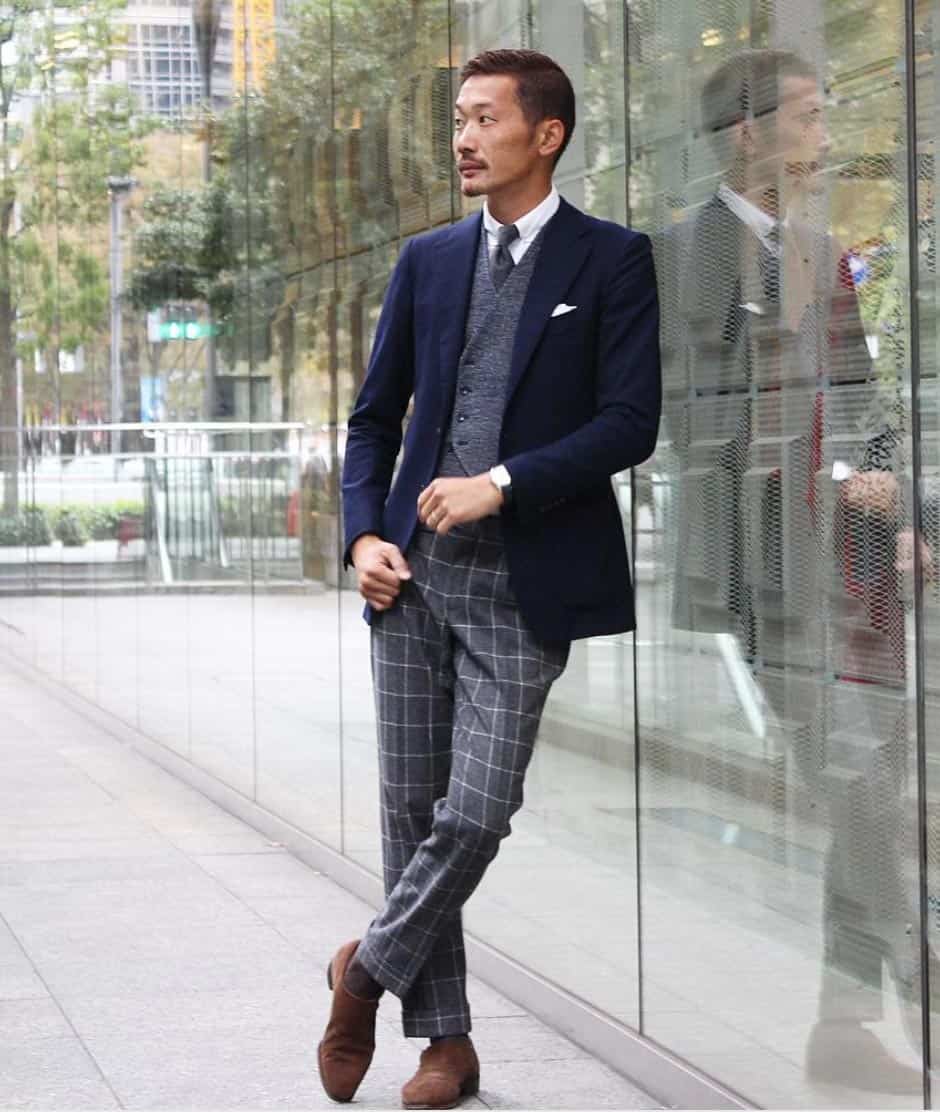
x,y
476,104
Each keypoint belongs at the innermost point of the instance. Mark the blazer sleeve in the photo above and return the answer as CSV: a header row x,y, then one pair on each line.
x,y
623,431
375,425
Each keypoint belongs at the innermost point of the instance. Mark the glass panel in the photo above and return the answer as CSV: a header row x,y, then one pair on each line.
x,y
218,486
777,729
393,174
576,831
25,546
294,348
169,386
80,490
926,580
119,541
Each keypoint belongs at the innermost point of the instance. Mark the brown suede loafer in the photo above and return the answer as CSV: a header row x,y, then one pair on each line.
x,y
348,1044
449,1069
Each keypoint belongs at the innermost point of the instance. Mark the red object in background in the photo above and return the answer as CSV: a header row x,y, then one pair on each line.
x,y
293,514
128,529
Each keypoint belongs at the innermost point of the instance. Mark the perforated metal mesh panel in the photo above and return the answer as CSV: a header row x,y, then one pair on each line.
x,y
768,153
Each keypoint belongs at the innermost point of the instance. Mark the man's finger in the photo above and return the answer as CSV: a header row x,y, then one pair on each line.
x,y
430,506
398,563
381,575
372,591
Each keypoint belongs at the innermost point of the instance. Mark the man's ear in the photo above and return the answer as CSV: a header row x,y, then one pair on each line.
x,y
744,137
551,136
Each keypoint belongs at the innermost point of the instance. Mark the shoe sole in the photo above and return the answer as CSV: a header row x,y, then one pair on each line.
x,y
470,1088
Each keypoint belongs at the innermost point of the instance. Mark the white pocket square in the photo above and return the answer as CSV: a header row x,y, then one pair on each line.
x,y
752,307
560,310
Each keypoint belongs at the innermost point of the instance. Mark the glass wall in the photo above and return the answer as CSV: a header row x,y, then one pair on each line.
x,y
778,740
728,841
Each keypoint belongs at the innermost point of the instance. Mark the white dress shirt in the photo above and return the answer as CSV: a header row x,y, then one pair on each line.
x,y
755,218
529,225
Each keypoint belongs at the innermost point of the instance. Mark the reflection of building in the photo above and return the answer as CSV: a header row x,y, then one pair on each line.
x,y
253,25
161,64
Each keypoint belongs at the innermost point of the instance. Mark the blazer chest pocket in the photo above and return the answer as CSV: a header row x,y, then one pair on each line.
x,y
565,322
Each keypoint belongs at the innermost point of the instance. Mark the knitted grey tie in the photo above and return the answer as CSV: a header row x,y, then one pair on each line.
x,y
502,263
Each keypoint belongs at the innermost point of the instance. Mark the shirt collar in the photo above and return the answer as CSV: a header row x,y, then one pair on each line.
x,y
532,223
748,213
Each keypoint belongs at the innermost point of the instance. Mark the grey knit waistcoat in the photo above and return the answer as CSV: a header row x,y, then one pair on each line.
x,y
472,442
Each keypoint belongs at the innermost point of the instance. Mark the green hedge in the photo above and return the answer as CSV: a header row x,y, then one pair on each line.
x,y
70,529
72,524
264,517
30,526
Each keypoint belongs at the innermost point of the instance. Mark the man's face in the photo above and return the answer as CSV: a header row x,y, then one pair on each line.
x,y
794,138
494,144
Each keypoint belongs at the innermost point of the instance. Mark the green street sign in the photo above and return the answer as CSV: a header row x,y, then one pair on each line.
x,y
185,330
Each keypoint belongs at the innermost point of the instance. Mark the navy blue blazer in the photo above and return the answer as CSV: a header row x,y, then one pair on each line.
x,y
582,403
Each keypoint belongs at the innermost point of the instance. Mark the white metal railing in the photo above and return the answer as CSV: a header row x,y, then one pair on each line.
x,y
208,488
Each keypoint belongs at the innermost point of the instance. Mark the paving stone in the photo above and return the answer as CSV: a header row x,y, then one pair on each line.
x,y
51,1074
19,981
22,1020
254,877
236,1049
187,952
567,1084
168,959
208,843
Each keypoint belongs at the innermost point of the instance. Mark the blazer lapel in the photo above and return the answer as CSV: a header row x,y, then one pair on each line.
x,y
565,246
454,269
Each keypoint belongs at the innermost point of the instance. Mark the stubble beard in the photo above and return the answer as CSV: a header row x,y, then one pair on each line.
x,y
472,188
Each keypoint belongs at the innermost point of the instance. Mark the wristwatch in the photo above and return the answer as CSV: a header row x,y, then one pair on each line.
x,y
501,479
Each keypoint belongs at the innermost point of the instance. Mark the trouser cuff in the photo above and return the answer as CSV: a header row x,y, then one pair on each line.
x,y
424,1027
380,972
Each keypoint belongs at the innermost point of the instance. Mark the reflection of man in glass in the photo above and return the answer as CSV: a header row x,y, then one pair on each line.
x,y
528,337
790,520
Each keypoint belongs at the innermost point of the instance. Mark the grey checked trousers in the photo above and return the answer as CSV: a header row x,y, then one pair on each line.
x,y
460,684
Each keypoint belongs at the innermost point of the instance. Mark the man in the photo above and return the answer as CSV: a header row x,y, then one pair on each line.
x,y
791,529
527,337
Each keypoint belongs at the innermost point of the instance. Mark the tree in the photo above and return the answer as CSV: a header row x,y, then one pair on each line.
x,y
303,171
64,129
193,247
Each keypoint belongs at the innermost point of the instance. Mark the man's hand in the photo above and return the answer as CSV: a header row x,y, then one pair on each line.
x,y
904,555
445,503
381,568
872,490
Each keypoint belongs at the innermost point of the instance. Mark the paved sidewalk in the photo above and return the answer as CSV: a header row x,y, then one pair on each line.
x,y
155,952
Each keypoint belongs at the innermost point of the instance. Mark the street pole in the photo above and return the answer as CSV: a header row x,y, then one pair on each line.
x,y
118,188
206,16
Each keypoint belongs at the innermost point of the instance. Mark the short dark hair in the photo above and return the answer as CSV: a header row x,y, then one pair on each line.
x,y
748,85
543,88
